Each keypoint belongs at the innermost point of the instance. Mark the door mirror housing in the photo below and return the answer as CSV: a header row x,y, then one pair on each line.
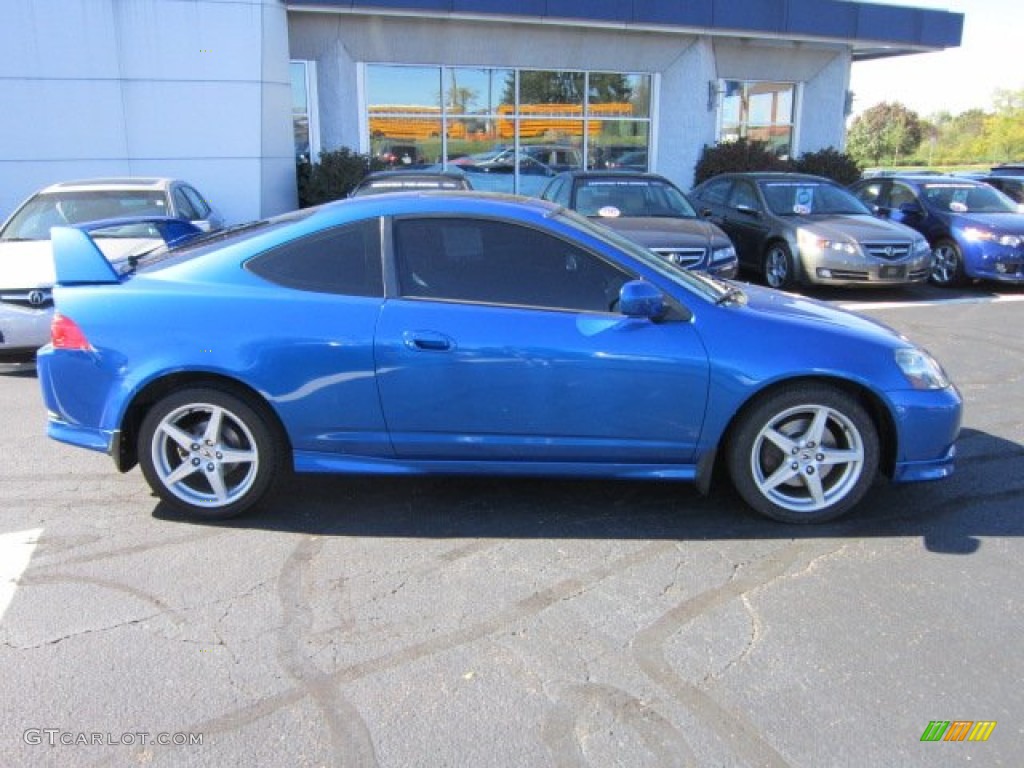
x,y
638,298
911,209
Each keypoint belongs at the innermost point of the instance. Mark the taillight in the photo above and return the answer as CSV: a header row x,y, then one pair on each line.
x,y
65,334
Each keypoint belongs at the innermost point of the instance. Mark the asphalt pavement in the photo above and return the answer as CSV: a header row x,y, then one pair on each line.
x,y
479,622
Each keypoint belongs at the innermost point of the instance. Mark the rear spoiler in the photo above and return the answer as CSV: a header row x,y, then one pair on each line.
x,y
78,261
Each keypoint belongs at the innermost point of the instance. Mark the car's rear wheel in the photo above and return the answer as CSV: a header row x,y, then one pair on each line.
x,y
804,455
778,267
947,264
208,452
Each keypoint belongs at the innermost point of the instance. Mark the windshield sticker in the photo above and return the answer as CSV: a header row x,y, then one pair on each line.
x,y
609,212
802,202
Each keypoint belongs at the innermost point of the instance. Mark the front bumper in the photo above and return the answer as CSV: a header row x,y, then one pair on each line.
x,y
927,425
836,269
992,261
23,330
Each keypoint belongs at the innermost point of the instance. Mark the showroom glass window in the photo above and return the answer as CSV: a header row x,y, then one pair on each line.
x,y
304,118
509,129
758,111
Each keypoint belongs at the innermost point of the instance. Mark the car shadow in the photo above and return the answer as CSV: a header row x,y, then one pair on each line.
x,y
950,516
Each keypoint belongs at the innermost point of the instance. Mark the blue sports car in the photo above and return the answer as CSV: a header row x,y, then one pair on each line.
x,y
463,333
976,232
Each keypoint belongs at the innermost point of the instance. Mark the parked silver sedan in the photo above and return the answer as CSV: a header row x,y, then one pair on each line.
x,y
26,260
795,228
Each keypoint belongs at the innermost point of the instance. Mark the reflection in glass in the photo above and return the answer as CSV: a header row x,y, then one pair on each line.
x,y
758,111
619,145
613,94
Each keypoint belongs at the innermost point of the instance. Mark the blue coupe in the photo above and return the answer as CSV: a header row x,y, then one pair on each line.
x,y
463,333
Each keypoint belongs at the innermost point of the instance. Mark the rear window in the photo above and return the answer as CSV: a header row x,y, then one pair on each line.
x,y
34,220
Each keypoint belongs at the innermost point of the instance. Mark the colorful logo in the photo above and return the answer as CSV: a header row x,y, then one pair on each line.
x,y
958,730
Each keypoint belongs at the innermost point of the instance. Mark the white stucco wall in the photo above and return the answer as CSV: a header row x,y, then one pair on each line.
x,y
197,89
684,66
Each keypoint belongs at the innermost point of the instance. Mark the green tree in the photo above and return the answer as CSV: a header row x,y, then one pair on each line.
x,y
565,87
884,133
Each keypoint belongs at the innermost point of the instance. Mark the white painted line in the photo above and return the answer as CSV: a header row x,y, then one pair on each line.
x,y
860,305
15,552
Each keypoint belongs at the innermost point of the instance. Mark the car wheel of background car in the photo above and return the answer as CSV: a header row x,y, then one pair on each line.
x,y
806,454
947,264
779,271
208,452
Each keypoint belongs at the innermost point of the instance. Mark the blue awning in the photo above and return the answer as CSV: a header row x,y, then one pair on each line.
x,y
871,29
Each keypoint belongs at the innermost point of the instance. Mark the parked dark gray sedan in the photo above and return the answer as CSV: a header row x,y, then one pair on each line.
x,y
649,210
794,228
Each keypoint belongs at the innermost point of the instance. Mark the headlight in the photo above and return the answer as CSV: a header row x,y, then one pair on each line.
x,y
727,253
977,234
812,243
921,369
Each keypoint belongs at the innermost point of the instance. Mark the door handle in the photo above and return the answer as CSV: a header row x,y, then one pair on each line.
x,y
430,341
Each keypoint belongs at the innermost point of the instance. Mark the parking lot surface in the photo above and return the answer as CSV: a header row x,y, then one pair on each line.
x,y
473,622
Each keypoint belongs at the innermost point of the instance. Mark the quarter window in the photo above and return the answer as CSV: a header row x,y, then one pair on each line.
x,y
344,260
495,262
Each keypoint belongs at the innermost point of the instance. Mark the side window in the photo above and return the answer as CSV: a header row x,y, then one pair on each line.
x,y
743,194
184,206
344,260
870,194
900,194
496,262
717,192
198,204
552,192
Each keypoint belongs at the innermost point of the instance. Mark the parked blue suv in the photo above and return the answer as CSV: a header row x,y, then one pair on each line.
x,y
975,231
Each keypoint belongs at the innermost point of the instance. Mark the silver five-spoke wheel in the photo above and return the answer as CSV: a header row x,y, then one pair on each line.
x,y
207,451
804,455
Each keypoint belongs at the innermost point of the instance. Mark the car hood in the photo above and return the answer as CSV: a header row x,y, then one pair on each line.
x,y
858,228
29,264
663,231
800,309
1004,223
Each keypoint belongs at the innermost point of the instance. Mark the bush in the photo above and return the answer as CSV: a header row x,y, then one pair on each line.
x,y
736,156
337,174
830,163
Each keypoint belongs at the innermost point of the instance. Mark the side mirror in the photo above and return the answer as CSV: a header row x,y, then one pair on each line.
x,y
911,209
638,298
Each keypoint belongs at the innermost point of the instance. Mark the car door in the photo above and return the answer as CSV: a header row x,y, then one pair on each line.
x,y
745,222
501,345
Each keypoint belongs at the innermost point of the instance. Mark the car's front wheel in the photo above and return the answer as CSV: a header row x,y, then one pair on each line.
x,y
947,264
779,270
208,452
804,455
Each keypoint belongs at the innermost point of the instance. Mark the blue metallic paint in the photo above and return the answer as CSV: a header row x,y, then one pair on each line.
x,y
498,390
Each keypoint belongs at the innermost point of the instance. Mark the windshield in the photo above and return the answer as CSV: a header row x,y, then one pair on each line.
x,y
705,286
810,198
631,197
34,219
967,198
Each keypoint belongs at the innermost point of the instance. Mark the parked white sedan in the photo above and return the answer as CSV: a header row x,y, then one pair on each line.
x,y
26,260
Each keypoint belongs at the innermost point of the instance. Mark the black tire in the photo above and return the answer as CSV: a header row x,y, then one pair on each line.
x,y
778,267
187,458
947,264
807,454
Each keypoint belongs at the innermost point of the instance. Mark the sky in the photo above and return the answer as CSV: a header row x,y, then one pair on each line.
x,y
957,79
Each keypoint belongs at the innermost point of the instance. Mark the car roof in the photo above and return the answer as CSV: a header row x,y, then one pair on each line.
x,y
418,173
772,176
436,201
912,178
119,184
615,174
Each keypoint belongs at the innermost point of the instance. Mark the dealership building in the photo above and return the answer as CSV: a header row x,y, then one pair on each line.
x,y
228,93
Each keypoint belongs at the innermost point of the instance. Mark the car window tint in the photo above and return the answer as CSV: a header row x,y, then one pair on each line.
x,y
743,194
869,194
900,194
344,260
496,262
198,204
716,192
184,206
